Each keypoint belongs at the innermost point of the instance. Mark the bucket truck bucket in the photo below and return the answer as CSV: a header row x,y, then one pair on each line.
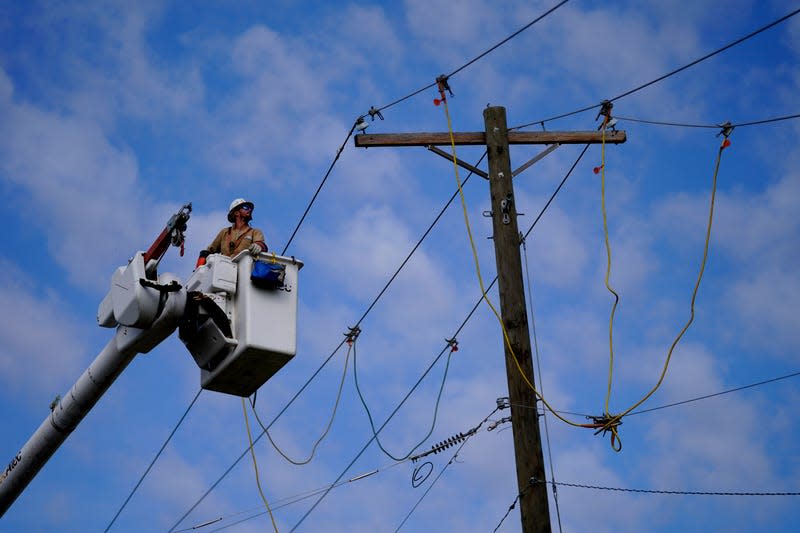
x,y
239,330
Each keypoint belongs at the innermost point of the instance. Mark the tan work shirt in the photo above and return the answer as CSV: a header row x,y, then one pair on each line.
x,y
230,241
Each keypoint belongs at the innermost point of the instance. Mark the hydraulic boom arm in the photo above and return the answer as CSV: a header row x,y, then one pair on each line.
x,y
145,309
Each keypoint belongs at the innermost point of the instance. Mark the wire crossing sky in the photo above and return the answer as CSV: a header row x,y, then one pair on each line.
x,y
115,115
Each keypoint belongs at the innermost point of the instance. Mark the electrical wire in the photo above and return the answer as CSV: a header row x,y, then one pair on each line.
x,y
708,126
476,58
325,362
541,382
766,121
375,301
319,188
513,355
514,504
241,456
395,411
369,308
470,433
327,427
705,397
690,400
436,359
668,74
153,462
674,492
284,502
369,415
469,315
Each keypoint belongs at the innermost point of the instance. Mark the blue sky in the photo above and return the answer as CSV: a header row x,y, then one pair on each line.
x,y
113,114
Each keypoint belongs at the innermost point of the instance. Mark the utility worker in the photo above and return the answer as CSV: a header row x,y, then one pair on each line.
x,y
240,236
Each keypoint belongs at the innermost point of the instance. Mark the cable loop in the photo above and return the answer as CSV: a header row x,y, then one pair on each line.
x,y
352,334
607,424
727,129
374,112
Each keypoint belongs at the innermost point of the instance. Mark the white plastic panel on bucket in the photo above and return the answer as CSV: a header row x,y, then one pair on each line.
x,y
217,275
264,322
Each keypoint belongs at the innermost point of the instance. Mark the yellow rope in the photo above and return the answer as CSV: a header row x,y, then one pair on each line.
x,y
616,418
608,265
480,277
255,465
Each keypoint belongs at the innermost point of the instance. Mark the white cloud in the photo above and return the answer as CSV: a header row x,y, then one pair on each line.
x,y
42,353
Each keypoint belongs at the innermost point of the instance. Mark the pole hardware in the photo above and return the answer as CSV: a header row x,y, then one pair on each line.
x,y
505,207
352,334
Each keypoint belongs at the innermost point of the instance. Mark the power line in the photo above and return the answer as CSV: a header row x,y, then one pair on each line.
x,y
794,374
514,504
672,492
766,121
504,41
555,192
417,245
476,58
436,359
704,397
670,73
284,502
246,450
319,188
396,409
470,433
369,415
541,389
150,466
325,362
709,126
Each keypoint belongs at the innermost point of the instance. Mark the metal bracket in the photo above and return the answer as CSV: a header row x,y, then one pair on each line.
x,y
547,151
449,157
505,207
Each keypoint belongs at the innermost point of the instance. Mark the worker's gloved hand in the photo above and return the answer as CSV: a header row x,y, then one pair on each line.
x,y
255,249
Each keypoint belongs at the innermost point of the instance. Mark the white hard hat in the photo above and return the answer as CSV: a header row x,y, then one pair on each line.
x,y
236,204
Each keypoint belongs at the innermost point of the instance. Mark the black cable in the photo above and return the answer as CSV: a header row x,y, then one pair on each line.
x,y
553,196
766,121
674,492
284,502
704,397
246,450
504,41
668,74
541,387
470,433
325,362
396,409
664,123
369,414
511,507
226,472
480,56
158,454
413,388
795,374
709,126
319,188
419,242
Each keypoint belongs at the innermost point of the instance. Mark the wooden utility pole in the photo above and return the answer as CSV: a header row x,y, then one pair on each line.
x,y
533,504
